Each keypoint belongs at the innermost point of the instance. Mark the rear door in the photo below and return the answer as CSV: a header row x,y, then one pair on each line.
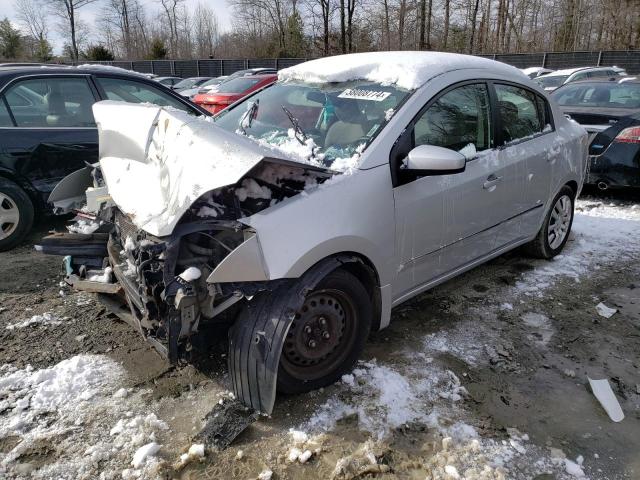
x,y
526,155
51,132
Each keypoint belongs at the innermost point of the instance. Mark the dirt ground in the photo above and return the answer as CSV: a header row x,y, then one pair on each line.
x,y
482,377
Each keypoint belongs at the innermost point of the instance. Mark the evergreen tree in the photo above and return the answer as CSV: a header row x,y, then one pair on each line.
x,y
158,50
98,53
10,40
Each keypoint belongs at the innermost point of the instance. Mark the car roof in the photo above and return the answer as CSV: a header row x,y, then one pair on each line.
x,y
66,69
571,71
605,80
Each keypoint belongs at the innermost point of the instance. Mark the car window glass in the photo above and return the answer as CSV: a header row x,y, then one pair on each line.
x,y
518,112
51,102
458,118
132,91
5,119
238,85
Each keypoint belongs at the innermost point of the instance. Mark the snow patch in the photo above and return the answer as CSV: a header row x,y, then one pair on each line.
x,y
46,319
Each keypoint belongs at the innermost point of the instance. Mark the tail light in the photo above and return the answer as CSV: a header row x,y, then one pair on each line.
x,y
628,135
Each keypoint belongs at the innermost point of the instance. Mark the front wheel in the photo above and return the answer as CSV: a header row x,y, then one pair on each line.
x,y
327,334
554,233
299,337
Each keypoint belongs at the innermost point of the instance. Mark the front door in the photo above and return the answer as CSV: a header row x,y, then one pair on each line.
x,y
52,133
445,222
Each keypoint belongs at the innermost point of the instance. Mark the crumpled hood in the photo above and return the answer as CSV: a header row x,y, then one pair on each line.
x,y
156,161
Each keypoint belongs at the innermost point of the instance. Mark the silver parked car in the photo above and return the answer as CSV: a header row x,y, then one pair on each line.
x,y
302,214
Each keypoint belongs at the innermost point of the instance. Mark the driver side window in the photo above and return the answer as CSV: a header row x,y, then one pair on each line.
x,y
458,118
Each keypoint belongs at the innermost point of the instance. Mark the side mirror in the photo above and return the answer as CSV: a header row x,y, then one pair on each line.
x,y
432,160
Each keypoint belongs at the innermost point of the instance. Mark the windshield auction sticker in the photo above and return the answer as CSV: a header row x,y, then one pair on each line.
x,y
359,94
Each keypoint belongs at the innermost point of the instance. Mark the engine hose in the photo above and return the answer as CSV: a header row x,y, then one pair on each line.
x,y
199,250
192,261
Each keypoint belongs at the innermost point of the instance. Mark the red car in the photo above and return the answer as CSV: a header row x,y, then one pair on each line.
x,y
232,91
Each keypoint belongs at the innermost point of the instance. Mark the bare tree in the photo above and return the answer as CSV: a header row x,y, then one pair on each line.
x,y
68,11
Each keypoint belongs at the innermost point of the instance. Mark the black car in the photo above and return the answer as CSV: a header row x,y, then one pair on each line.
x,y
47,131
610,111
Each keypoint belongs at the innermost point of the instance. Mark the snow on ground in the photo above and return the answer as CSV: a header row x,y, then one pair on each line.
x,y
45,319
600,234
71,421
419,388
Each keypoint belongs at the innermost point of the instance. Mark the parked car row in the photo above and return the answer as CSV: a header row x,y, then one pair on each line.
x,y
47,127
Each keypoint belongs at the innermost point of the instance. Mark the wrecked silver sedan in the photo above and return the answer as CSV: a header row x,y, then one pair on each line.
x,y
302,214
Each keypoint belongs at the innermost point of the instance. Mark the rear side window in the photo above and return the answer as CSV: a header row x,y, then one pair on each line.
x,y
51,102
132,91
458,118
519,111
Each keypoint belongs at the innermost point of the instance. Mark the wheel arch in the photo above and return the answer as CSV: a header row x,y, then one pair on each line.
x,y
25,185
361,267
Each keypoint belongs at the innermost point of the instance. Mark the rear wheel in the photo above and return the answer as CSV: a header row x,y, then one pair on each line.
x,y
16,214
554,233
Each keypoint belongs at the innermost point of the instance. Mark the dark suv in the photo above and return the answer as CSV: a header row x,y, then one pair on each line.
x,y
47,131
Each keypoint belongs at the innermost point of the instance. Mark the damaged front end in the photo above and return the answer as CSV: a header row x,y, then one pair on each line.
x,y
167,271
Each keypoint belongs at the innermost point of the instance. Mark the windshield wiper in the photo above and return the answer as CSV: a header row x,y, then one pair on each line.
x,y
296,126
247,119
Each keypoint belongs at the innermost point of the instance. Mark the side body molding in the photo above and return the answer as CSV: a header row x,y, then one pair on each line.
x,y
244,264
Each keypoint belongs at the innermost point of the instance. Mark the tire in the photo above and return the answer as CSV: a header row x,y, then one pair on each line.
x,y
16,214
555,230
259,336
348,308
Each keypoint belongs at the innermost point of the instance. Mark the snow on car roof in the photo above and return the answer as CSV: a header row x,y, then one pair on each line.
x,y
405,69
533,69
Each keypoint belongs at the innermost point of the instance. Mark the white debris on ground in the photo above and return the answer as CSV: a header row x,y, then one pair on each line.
x,y
85,226
604,311
46,319
69,416
104,277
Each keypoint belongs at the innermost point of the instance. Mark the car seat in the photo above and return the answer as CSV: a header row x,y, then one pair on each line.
x,y
509,115
57,114
600,96
348,127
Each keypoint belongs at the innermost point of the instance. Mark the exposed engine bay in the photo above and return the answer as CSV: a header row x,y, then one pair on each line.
x,y
166,282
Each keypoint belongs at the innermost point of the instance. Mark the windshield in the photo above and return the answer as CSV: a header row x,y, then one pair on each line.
x,y
603,95
188,82
551,81
326,124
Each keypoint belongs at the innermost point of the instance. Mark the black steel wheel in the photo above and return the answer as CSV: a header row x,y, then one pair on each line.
x,y
327,334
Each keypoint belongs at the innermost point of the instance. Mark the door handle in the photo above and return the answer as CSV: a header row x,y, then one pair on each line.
x,y
492,181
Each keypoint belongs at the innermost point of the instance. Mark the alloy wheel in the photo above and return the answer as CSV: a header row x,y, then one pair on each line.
x,y
9,216
559,222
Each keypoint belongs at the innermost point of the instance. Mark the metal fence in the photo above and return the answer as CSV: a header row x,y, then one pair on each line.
x,y
629,60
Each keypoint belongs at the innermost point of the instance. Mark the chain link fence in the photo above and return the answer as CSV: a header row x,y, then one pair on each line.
x,y
629,60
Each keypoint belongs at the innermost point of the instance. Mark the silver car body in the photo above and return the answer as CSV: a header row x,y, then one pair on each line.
x,y
413,236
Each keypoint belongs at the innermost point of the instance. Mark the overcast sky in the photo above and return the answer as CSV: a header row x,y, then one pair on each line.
x,y
91,11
